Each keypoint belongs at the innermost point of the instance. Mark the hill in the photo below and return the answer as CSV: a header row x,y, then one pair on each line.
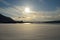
x,y
4,19
56,21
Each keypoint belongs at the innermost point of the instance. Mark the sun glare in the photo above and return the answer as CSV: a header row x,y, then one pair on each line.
x,y
27,10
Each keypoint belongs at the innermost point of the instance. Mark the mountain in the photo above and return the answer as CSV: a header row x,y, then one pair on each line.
x,y
56,21
4,19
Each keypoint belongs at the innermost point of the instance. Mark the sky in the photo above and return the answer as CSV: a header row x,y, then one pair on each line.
x,y
41,10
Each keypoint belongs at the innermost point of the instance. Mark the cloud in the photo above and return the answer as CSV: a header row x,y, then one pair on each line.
x,y
10,11
40,15
47,15
1,0
14,12
41,0
6,3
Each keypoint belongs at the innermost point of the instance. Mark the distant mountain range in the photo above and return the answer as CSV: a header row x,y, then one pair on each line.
x,y
56,21
4,19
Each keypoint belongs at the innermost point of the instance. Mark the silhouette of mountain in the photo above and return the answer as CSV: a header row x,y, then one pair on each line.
x,y
4,19
57,21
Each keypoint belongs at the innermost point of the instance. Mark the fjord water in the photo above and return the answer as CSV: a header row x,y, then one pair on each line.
x,y
29,31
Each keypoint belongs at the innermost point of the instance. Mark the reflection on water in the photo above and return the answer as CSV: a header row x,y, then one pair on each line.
x,y
26,23
29,31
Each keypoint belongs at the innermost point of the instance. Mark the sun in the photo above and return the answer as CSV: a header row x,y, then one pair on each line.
x,y
27,10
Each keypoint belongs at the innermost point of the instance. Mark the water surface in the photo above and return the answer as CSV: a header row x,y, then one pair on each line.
x,y
28,31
